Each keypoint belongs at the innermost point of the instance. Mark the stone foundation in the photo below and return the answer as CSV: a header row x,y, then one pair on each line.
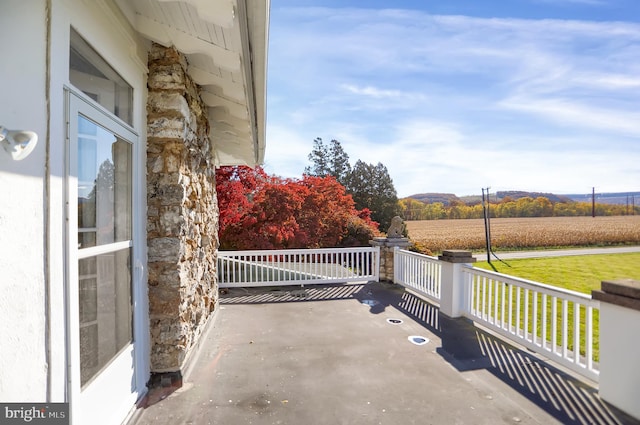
x,y
182,215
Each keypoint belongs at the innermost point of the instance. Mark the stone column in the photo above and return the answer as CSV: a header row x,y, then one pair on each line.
x,y
387,246
182,223
453,293
620,344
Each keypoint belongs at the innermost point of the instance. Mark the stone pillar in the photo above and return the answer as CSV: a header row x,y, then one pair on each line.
x,y
182,223
453,294
620,344
387,246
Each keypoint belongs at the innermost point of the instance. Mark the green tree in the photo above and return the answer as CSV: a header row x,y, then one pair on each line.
x,y
412,209
372,188
329,160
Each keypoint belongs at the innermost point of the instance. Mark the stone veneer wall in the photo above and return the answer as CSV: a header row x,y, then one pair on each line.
x,y
182,223
387,246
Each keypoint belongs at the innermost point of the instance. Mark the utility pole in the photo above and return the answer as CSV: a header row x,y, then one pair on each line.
x,y
626,210
487,235
593,202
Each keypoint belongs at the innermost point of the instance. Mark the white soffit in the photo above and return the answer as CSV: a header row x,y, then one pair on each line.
x,y
225,42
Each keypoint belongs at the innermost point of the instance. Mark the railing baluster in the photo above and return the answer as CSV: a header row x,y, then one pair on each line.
x,y
576,332
487,307
502,304
534,321
472,295
478,295
554,324
526,314
245,271
589,336
496,303
236,268
544,321
511,309
518,311
484,298
565,314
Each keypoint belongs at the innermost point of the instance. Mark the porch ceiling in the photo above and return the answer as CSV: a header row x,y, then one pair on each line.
x,y
225,42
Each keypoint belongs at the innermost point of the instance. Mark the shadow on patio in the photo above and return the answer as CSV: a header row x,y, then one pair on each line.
x,y
314,355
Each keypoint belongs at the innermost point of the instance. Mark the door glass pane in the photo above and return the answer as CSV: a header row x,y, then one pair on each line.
x,y
104,186
105,310
89,72
104,172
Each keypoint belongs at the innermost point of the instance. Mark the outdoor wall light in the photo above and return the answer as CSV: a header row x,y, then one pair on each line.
x,y
18,143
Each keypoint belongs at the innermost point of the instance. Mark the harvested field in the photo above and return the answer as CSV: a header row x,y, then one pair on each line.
x,y
521,233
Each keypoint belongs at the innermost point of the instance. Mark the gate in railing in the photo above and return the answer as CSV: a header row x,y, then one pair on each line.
x,y
297,266
557,323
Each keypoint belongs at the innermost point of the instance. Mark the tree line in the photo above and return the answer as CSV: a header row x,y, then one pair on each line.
x,y
412,209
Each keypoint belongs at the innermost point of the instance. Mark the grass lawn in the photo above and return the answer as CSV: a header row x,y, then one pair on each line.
x,y
581,273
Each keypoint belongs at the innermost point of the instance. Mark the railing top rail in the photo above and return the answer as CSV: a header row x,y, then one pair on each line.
x,y
536,286
272,252
416,254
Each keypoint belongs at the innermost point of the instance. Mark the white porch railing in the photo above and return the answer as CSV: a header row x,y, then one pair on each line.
x,y
297,266
552,321
420,273
555,322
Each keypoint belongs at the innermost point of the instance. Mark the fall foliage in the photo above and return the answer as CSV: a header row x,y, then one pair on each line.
x,y
412,209
259,211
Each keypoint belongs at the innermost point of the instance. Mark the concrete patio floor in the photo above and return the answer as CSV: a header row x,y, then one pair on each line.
x,y
329,355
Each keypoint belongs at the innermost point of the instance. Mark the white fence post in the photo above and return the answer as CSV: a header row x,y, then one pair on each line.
x,y
376,264
620,344
453,295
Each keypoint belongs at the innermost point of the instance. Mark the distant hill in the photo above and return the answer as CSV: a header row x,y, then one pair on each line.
x,y
620,198
430,198
517,194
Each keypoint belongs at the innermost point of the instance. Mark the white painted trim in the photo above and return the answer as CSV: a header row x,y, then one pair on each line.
x,y
186,43
220,12
128,359
103,249
105,27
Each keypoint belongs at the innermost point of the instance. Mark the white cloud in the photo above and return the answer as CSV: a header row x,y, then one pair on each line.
x,y
454,103
587,2
567,112
371,91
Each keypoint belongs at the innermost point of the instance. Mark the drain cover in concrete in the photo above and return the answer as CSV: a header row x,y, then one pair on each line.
x,y
418,340
394,321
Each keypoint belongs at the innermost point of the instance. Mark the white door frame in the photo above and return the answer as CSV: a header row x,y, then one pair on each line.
x,y
116,404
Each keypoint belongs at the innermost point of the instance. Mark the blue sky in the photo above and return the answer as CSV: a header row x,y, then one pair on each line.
x,y
453,96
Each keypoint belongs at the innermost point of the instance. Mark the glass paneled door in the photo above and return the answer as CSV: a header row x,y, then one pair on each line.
x,y
100,273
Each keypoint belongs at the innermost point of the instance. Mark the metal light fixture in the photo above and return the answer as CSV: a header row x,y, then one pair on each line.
x,y
18,143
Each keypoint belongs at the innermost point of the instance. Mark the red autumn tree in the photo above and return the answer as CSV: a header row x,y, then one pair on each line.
x,y
236,187
268,212
325,212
